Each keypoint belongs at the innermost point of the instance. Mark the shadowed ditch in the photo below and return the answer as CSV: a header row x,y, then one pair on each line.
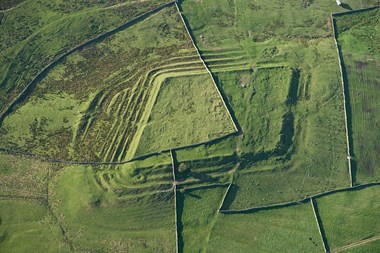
x,y
180,205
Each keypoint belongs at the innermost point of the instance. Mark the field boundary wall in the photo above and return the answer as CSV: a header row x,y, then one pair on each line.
x,y
345,85
300,201
345,101
337,14
202,187
319,224
40,157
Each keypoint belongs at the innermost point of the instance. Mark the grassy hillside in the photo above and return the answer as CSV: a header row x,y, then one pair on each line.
x,y
96,103
206,171
371,247
291,146
134,108
23,177
95,218
137,178
223,24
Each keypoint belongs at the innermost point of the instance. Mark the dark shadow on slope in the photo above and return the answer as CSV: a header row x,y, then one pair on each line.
x,y
349,116
230,197
286,134
293,88
323,234
346,6
283,147
180,205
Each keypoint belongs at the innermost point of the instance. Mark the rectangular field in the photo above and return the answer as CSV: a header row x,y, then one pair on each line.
x,y
288,229
198,210
350,217
291,146
289,104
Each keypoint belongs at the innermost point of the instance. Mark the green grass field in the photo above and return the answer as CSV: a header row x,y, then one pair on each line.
x,y
290,143
224,24
290,229
371,247
349,217
259,105
361,57
27,226
198,210
188,110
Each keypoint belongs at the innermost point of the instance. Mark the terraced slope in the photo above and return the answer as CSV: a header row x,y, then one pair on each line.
x,y
94,218
90,109
137,178
144,88
36,33
209,171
